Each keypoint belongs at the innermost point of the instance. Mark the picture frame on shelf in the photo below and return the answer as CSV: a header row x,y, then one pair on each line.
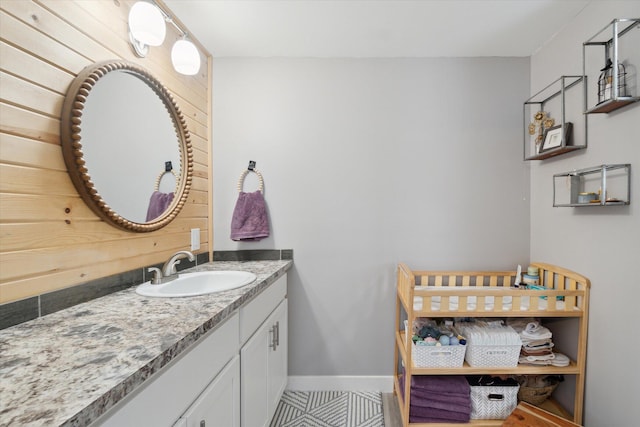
x,y
553,137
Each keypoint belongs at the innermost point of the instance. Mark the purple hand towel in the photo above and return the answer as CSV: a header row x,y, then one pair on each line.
x,y
250,221
158,204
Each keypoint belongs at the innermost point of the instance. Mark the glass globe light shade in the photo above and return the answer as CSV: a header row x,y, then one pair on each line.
x,y
147,24
185,57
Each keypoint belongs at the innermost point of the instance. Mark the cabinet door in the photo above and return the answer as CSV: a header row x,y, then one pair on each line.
x,y
277,372
219,403
263,361
254,365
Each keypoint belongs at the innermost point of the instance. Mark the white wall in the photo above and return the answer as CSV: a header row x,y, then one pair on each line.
x,y
601,243
368,162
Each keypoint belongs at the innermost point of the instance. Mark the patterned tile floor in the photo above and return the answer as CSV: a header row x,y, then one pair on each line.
x,y
329,409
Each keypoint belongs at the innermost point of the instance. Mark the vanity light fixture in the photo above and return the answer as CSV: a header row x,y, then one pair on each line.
x,y
185,57
147,27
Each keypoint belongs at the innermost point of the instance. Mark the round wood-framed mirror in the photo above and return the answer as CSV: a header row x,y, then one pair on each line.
x,y
122,133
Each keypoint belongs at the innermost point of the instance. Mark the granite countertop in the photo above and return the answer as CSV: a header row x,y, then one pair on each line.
x,y
69,367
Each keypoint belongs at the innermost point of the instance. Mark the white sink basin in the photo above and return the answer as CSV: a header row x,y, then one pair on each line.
x,y
198,283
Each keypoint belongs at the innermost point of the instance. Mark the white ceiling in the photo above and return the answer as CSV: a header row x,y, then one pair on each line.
x,y
374,28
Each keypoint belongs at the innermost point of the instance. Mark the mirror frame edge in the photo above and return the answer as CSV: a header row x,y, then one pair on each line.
x,y
70,139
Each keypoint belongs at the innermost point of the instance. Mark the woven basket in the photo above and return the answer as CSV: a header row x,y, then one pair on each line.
x,y
535,395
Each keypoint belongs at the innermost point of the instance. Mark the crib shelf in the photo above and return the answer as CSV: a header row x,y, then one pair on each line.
x,y
438,294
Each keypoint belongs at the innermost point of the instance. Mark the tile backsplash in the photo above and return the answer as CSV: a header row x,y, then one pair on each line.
x,y
17,312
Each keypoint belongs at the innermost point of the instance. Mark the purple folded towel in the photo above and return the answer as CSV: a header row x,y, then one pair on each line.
x,y
463,407
416,411
416,393
250,221
438,405
414,419
158,204
441,383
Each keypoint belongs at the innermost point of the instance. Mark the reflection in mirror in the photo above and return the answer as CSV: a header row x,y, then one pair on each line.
x,y
128,136
126,146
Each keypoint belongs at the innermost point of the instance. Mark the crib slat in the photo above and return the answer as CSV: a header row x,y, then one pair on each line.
x,y
534,303
516,305
462,304
570,301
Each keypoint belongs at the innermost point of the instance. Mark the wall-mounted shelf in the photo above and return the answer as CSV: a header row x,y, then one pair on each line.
x,y
562,127
610,60
607,185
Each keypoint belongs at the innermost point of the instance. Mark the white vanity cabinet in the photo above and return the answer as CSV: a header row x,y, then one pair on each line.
x,y
202,373
219,403
263,356
235,375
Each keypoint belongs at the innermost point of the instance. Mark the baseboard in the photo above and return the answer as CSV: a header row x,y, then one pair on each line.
x,y
383,384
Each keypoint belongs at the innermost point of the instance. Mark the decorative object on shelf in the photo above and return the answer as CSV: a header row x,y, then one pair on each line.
x,y
604,185
557,108
613,87
605,82
587,197
556,136
541,122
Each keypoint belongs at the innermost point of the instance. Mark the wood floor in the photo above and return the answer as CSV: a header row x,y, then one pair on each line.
x,y
391,410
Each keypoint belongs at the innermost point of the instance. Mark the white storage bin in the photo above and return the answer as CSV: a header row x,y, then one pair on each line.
x,y
495,356
446,356
493,402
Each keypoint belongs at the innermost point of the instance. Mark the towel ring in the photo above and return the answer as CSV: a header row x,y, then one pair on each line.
x,y
244,174
159,178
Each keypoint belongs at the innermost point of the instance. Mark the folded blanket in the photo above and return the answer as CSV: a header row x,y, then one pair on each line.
x,y
520,323
545,343
542,357
416,411
523,360
250,221
441,383
529,352
535,330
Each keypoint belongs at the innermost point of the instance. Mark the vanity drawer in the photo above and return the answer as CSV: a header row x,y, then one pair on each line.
x,y
254,312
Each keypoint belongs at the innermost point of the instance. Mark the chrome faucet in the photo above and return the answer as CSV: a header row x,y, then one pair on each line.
x,y
168,272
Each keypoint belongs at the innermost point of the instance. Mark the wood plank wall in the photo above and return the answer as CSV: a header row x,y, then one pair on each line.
x,y
49,239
